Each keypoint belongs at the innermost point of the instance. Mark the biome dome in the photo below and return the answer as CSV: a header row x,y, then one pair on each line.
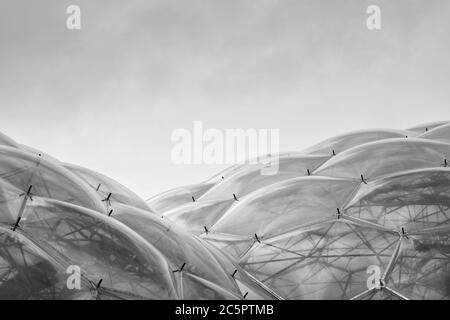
x,y
57,219
363,215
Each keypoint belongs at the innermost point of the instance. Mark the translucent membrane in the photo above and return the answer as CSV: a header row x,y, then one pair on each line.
x,y
179,248
102,247
27,272
176,197
29,172
105,186
246,181
7,141
346,141
376,159
286,205
441,133
427,126
197,217
364,215
413,200
421,268
327,260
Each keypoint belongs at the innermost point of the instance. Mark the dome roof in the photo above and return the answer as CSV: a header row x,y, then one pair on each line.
x,y
371,199
56,216
363,215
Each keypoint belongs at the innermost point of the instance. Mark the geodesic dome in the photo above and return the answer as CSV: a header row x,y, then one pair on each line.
x,y
332,214
317,229
57,217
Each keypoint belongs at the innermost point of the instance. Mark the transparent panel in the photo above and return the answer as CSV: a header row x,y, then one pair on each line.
x,y
195,216
385,157
27,272
441,133
234,246
22,170
286,205
240,276
194,287
11,200
346,141
176,197
422,270
105,185
325,261
247,181
427,126
43,155
248,165
7,141
101,246
180,249
413,200
379,294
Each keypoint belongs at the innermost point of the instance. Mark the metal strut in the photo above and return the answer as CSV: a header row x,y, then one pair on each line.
x,y
404,234
26,195
362,179
181,269
98,284
108,199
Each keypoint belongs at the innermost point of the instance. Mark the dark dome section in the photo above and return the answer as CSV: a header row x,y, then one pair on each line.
x,y
421,267
27,272
413,200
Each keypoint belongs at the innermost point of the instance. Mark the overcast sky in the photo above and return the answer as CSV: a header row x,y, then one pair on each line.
x,y
109,96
